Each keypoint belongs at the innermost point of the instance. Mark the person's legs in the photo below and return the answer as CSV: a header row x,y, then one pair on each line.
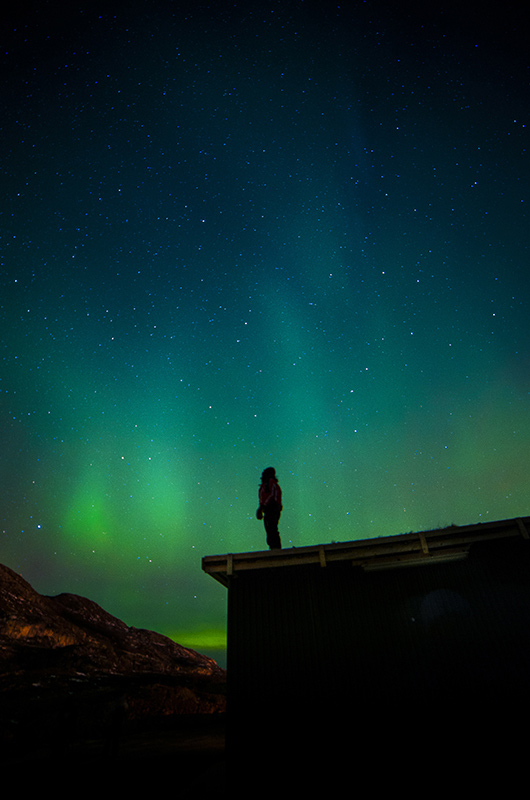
x,y
271,519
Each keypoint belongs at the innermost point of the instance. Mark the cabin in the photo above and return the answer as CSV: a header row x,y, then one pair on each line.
x,y
374,654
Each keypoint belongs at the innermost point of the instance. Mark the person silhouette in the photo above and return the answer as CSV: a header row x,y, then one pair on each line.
x,y
270,507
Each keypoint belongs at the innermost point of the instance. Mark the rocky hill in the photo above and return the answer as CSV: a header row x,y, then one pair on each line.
x,y
74,676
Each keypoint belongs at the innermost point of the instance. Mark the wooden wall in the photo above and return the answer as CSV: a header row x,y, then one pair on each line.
x,y
335,665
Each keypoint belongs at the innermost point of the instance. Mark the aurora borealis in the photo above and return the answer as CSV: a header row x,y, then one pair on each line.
x,y
236,235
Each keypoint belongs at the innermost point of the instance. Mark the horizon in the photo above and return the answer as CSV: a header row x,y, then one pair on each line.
x,y
236,237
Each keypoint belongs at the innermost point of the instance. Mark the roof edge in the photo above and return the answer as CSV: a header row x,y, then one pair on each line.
x,y
404,549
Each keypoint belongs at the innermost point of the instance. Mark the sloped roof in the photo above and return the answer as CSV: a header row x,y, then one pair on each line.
x,y
405,549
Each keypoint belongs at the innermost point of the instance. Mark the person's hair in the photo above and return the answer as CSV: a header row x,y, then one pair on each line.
x,y
267,474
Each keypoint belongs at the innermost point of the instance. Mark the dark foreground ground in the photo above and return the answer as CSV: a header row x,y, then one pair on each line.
x,y
120,735
188,750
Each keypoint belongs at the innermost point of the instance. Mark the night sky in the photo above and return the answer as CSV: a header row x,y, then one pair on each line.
x,y
252,234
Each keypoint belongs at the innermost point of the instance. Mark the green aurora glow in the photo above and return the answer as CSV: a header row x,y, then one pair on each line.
x,y
242,235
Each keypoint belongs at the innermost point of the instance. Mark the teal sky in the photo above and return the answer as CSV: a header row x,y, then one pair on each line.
x,y
236,235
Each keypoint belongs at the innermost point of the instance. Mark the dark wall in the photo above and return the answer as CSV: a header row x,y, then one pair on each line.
x,y
337,661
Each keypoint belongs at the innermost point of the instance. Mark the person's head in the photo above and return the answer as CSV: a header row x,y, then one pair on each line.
x,y
267,474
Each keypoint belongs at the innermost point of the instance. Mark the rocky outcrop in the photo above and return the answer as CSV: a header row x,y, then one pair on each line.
x,y
85,635
65,659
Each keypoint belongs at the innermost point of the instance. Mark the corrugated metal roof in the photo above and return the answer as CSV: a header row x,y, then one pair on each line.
x,y
404,549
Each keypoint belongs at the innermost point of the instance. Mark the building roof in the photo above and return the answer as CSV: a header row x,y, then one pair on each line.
x,y
405,549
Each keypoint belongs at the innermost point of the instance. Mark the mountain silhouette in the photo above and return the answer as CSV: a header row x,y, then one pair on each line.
x,y
75,679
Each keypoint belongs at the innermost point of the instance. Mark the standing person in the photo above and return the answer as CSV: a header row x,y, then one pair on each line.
x,y
270,506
